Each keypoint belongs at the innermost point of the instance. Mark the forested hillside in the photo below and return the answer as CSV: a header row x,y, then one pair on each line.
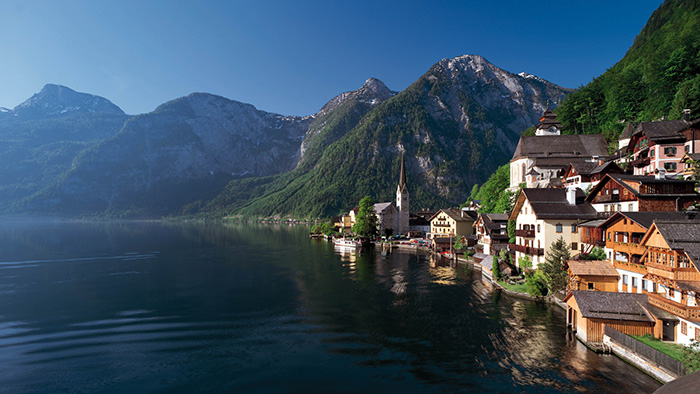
x,y
657,78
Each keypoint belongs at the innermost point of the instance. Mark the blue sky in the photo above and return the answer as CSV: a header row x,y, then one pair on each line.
x,y
290,57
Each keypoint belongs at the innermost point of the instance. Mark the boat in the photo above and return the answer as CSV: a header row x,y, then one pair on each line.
x,y
346,243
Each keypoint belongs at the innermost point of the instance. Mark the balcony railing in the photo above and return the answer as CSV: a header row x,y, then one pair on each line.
x,y
641,162
525,233
607,198
673,273
526,249
688,312
627,266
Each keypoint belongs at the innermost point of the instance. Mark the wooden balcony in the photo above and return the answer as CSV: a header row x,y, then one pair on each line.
x,y
525,233
638,268
673,273
607,198
629,248
691,313
526,249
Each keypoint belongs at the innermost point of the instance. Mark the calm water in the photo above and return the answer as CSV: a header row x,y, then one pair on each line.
x,y
235,308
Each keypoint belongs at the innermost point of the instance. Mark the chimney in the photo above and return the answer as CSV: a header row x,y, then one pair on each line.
x,y
686,114
661,174
571,196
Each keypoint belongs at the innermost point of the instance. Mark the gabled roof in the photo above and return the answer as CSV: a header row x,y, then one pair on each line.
x,y
684,236
690,156
664,129
645,219
592,268
381,206
551,203
456,214
612,305
625,179
627,132
577,145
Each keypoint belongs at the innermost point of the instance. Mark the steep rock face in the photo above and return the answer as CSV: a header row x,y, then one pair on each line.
x,y
456,125
182,152
339,116
57,100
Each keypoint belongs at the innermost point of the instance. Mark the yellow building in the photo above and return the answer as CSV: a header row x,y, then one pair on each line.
x,y
451,223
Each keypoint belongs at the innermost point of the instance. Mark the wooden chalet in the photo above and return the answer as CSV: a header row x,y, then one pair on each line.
x,y
632,314
672,258
634,193
591,275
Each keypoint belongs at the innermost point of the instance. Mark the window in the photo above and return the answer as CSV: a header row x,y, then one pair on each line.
x,y
574,229
630,207
644,284
538,228
574,246
559,228
590,286
671,292
624,279
687,148
634,282
619,207
652,152
697,334
684,328
653,287
670,151
670,166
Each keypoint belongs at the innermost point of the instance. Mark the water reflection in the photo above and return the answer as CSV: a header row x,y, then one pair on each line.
x,y
201,307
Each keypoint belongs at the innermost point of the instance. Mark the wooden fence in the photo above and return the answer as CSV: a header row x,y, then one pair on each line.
x,y
646,351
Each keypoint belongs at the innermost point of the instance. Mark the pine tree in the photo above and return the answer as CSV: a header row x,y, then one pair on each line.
x,y
554,267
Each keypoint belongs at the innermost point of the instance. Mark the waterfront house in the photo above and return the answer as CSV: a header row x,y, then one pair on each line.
x,y
591,275
672,258
451,222
632,314
491,233
623,235
635,193
542,216
539,158
661,144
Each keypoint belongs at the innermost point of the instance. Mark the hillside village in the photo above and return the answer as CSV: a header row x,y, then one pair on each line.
x,y
626,223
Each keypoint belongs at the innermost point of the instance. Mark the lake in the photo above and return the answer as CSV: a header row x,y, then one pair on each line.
x,y
159,307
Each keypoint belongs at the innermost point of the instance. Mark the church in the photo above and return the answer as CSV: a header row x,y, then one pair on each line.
x,y
392,219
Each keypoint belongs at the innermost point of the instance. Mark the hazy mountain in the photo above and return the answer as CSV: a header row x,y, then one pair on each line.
x,y
185,150
41,137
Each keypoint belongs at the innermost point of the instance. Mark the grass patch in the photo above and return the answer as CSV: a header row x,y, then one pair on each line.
x,y
520,288
670,349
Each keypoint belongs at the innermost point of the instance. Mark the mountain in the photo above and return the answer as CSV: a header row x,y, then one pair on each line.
x,y
658,77
57,100
41,137
185,150
456,124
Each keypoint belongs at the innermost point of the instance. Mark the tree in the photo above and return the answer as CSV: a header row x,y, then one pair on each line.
x,y
511,231
554,266
366,219
690,355
596,253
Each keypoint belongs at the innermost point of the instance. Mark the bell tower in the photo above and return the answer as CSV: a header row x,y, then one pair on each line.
x,y
402,199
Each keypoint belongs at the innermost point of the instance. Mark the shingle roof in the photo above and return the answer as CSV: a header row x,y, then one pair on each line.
x,y
664,129
611,305
627,132
552,204
456,214
592,268
646,218
379,207
684,236
578,145
623,180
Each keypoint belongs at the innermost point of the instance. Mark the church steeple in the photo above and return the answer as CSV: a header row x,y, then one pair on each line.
x,y
402,177
402,199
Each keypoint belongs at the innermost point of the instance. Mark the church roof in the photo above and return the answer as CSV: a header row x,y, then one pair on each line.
x,y
564,146
402,176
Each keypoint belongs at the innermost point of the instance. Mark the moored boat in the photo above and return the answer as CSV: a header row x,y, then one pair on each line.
x,y
346,243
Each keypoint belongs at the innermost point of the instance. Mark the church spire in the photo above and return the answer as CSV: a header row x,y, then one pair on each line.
x,y
402,177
